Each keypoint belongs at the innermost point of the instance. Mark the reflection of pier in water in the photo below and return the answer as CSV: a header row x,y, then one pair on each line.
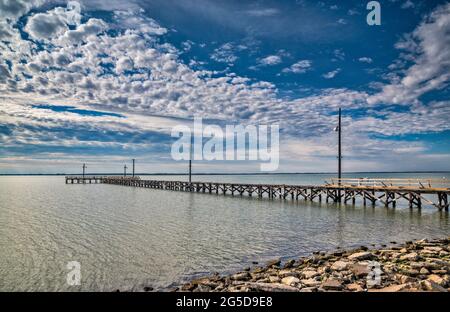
x,y
372,191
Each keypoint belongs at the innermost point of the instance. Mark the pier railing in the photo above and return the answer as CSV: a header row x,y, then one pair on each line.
x,y
385,183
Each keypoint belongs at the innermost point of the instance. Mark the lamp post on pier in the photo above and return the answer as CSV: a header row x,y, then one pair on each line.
x,y
133,166
190,163
84,170
339,130
125,170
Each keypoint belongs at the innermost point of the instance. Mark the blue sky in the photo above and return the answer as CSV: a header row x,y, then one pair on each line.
x,y
102,82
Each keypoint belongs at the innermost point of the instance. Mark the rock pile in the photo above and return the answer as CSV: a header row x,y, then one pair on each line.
x,y
422,265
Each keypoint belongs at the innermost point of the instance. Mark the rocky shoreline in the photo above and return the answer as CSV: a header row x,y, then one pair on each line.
x,y
422,265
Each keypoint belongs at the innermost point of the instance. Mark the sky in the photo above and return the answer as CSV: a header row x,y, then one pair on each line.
x,y
101,82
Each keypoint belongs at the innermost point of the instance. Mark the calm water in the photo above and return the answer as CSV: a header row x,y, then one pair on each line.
x,y
128,238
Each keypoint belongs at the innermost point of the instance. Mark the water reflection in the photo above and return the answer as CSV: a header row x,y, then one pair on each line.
x,y
129,237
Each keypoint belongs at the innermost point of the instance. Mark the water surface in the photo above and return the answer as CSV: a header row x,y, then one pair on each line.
x,y
127,238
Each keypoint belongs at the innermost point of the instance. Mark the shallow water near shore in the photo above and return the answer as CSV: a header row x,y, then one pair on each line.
x,y
127,238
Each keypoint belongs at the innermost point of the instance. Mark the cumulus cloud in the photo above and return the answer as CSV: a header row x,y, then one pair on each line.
x,y
331,74
92,27
427,47
13,9
408,4
270,60
263,12
225,54
339,55
53,23
365,59
299,67
131,72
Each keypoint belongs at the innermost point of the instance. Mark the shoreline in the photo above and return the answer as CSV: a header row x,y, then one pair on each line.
x,y
421,265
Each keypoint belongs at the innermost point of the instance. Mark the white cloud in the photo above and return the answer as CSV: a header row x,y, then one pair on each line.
x,y
13,9
353,12
263,12
270,60
408,4
427,47
338,55
224,54
331,74
365,59
79,35
299,67
53,23
134,74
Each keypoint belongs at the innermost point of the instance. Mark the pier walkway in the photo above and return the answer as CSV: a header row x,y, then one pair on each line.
x,y
371,191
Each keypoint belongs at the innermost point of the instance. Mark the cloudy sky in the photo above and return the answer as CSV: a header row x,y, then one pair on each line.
x,y
105,81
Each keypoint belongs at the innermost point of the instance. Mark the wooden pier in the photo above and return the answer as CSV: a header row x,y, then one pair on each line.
x,y
84,179
371,191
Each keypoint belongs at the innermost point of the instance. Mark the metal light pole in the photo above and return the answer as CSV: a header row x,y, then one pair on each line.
x,y
339,129
84,169
133,166
340,148
125,170
190,163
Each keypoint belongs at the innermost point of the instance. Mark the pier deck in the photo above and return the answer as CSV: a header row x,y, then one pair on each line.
x,y
372,191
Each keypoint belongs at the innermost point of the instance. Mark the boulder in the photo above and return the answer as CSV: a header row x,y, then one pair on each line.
x,y
424,271
432,286
271,287
308,289
355,287
272,263
286,273
290,280
289,264
242,276
307,274
433,248
413,256
310,282
339,265
364,255
437,279
332,284
359,269
274,279
392,288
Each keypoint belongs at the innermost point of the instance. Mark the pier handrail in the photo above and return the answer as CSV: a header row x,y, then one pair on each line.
x,y
395,182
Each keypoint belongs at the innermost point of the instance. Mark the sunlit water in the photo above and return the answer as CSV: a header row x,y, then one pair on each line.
x,y
127,238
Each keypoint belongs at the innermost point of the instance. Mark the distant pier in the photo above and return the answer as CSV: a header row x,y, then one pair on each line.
x,y
372,191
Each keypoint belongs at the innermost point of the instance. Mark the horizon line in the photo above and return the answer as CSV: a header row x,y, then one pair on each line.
x,y
217,174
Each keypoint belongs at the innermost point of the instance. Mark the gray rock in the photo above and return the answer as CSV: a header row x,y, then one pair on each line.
x,y
339,265
241,276
332,285
307,274
413,256
272,263
290,280
274,279
432,286
286,272
289,264
363,255
271,287
424,271
310,282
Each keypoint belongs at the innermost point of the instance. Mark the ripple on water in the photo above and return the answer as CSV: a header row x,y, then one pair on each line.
x,y
126,238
